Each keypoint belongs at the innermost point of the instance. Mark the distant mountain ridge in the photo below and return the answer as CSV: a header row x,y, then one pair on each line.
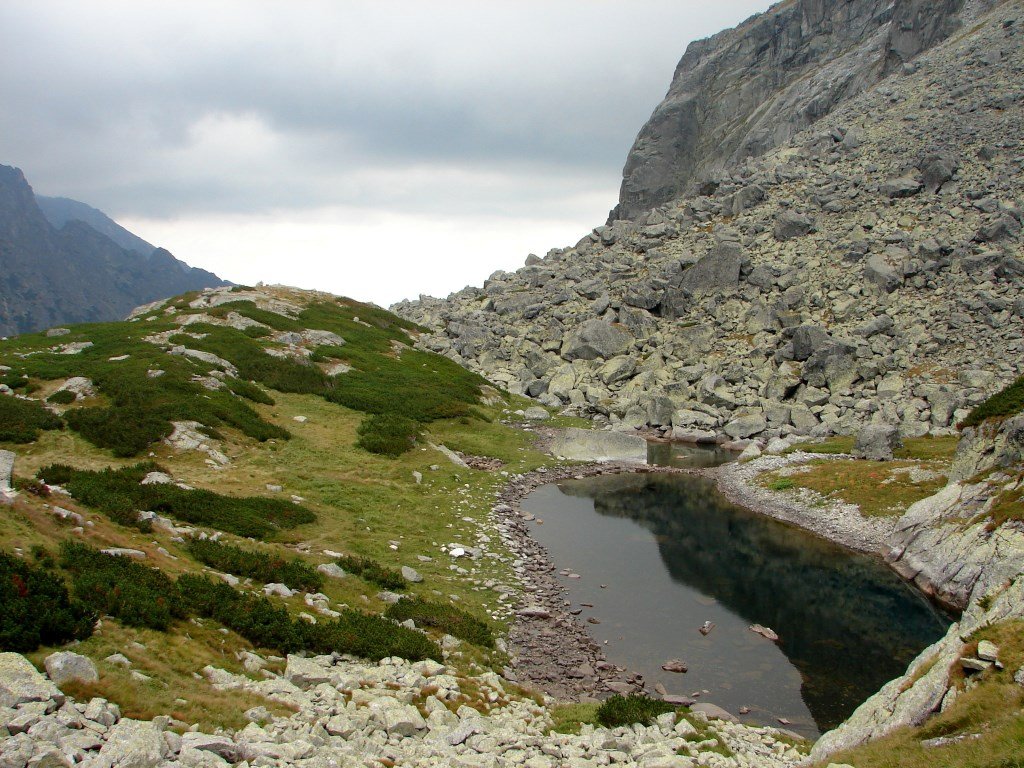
x,y
62,261
60,210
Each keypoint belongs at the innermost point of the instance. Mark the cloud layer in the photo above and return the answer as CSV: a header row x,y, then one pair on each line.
x,y
444,117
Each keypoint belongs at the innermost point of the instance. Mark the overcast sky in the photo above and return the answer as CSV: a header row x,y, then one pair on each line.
x,y
373,149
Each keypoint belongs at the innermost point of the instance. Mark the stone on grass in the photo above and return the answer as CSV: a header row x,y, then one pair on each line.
x,y
67,667
877,442
281,590
411,574
331,570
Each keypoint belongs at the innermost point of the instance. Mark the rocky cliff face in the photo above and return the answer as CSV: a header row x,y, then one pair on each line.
x,y
51,276
749,89
868,269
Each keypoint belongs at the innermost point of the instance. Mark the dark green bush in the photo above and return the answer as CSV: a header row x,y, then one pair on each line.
x,y
259,621
118,494
387,434
125,430
627,710
22,420
120,587
371,570
447,618
257,332
249,391
35,608
1007,402
264,567
62,397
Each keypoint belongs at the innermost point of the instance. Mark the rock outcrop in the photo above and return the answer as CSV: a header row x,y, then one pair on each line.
x,y
747,90
870,270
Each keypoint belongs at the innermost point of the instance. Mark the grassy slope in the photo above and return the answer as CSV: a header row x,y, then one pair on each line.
x,y
878,488
363,502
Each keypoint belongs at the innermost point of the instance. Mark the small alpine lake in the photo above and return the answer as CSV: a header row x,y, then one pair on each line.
x,y
655,556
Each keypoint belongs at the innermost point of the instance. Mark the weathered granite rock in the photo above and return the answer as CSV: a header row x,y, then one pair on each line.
x,y
21,683
877,442
595,339
67,667
594,445
132,744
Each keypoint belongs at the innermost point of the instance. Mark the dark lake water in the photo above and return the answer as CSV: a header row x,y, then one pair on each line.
x,y
673,553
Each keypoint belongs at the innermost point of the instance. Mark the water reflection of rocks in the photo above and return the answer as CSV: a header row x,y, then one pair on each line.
x,y
845,622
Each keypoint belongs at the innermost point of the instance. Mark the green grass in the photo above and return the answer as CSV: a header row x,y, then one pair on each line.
x,y
878,488
569,718
627,710
119,494
1007,402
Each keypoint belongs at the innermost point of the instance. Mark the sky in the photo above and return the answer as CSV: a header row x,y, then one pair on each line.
x,y
378,149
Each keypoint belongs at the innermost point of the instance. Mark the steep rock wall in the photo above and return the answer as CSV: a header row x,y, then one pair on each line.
x,y
749,89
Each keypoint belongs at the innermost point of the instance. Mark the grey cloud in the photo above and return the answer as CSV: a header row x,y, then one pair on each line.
x,y
513,105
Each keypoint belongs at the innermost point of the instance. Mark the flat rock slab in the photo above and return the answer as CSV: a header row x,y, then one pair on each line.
x,y
593,445
21,683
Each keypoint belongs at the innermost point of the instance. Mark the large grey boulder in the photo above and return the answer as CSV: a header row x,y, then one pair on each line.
x,y
877,442
596,338
132,744
879,272
593,445
746,426
808,339
937,168
789,224
67,667
719,270
21,683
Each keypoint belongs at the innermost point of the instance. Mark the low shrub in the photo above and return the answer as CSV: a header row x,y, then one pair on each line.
x,y
262,623
35,608
118,493
447,618
627,710
62,397
371,570
261,566
387,434
124,430
22,420
249,391
257,332
781,484
32,486
135,594
1007,402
